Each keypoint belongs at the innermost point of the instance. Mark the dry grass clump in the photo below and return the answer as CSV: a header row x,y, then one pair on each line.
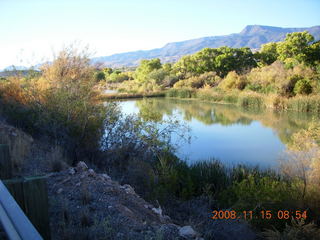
x,y
86,197
19,144
57,161
275,101
305,103
85,219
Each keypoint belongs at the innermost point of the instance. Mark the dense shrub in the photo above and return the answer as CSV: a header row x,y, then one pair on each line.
x,y
233,81
286,88
59,104
117,77
169,80
276,78
268,75
303,87
99,76
206,79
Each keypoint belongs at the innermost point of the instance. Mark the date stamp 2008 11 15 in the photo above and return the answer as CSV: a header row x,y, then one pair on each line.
x,y
264,214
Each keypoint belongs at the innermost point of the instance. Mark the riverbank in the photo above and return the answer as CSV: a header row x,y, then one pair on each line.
x,y
301,103
105,97
251,99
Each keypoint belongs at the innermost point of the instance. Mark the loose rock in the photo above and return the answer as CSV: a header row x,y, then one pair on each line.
x,y
187,232
72,171
106,177
91,173
81,166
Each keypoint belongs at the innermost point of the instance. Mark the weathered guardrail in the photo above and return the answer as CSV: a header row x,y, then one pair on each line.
x,y
15,223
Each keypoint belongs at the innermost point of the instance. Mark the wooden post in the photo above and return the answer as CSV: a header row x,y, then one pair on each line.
x,y
32,196
5,162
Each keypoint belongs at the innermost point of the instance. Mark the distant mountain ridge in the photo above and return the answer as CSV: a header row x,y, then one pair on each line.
x,y
252,36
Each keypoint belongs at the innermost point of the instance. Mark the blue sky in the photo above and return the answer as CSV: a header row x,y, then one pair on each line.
x,y
31,30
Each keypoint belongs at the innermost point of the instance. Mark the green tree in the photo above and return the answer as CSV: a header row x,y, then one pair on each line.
x,y
302,86
107,71
234,59
313,56
117,76
184,66
167,67
220,60
99,76
295,48
268,54
158,75
146,67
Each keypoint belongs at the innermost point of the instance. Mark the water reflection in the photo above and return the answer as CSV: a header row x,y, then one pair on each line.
x,y
227,132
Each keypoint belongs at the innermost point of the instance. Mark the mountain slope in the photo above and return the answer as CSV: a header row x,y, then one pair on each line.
x,y
252,36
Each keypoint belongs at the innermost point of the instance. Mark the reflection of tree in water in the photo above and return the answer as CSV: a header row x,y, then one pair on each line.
x,y
149,111
153,109
283,123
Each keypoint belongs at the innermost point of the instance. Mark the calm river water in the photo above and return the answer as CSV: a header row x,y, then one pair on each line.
x,y
226,132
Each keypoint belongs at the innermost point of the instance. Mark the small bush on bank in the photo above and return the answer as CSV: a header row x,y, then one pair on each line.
x,y
117,77
233,81
303,87
206,79
287,87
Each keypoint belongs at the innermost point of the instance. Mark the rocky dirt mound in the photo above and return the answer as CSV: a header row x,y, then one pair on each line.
x,y
87,205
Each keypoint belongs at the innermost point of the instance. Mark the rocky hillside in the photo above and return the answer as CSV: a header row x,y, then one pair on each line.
x,y
252,36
